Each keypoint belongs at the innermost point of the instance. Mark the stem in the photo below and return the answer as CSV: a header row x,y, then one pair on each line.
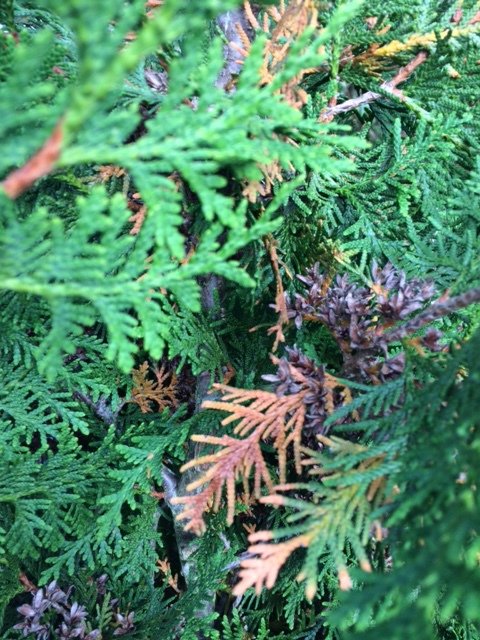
x,y
174,485
387,88
100,408
434,312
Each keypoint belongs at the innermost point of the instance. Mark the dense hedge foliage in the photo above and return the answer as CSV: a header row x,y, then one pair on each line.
x,y
239,286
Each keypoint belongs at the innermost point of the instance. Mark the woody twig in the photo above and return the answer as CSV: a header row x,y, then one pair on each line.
x,y
438,309
389,87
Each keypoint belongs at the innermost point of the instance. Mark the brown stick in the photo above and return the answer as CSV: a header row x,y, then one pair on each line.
x,y
388,87
434,312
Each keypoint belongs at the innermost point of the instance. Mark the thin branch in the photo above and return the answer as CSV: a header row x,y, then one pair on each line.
x,y
434,312
389,87
100,408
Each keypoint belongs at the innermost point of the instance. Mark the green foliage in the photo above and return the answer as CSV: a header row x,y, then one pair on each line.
x,y
194,339
137,197
441,507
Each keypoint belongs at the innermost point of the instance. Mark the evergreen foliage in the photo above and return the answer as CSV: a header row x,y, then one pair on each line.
x,y
239,287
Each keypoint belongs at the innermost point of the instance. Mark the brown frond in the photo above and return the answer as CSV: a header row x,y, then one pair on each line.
x,y
251,16
241,52
228,373
196,505
138,217
261,416
274,13
244,39
262,571
166,569
253,189
28,585
272,174
146,390
325,527
108,171
283,25
305,396
39,165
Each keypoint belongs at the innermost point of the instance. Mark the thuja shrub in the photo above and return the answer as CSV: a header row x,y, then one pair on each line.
x,y
239,294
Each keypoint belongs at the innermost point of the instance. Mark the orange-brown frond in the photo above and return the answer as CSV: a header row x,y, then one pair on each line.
x,y
236,459
39,165
284,25
138,218
196,505
244,39
161,391
250,15
261,416
262,570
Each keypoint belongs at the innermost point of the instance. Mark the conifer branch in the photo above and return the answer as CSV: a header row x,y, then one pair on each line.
x,y
280,303
168,166
283,25
389,87
261,416
356,490
306,395
266,417
235,27
262,569
145,391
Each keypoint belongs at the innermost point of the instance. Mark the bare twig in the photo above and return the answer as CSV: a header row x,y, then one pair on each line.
x,y
389,87
435,311
100,408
